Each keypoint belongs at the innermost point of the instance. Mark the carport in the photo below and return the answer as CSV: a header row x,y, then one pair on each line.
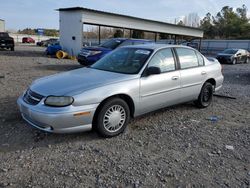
x,y
72,21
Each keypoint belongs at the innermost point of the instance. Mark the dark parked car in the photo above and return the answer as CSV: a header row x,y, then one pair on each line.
x,y
6,41
234,56
28,40
89,55
48,42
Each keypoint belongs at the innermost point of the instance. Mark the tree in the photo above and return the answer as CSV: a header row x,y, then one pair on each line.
x,y
164,36
227,24
118,33
180,23
207,26
137,34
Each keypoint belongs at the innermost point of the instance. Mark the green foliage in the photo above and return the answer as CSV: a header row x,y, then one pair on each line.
x,y
47,32
138,34
118,33
227,24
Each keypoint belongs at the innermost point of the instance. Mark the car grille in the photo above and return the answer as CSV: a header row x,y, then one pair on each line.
x,y
85,53
32,98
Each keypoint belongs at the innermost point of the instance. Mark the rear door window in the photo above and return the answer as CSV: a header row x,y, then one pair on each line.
x,y
200,59
187,58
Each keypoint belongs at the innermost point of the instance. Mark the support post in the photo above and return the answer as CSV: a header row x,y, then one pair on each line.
x,y
99,35
200,45
130,33
155,37
175,38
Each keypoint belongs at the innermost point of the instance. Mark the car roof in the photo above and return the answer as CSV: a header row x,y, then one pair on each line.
x,y
154,46
133,39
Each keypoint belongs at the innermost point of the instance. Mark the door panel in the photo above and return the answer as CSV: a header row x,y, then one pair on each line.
x,y
158,91
193,73
191,83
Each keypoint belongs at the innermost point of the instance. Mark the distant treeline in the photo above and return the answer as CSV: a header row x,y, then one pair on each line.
x,y
229,23
47,32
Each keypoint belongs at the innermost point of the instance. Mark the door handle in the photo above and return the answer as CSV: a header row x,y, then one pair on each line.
x,y
203,73
175,77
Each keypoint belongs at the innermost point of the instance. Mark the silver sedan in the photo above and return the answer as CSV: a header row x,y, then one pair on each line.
x,y
128,82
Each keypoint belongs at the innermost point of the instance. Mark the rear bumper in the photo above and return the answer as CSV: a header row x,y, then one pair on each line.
x,y
6,45
63,121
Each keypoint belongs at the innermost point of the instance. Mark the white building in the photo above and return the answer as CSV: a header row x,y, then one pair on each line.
x,y
73,19
2,25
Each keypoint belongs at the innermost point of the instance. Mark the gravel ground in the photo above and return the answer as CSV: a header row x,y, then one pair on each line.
x,y
173,147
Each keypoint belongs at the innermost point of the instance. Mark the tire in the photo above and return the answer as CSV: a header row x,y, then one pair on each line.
x,y
109,122
206,96
12,48
234,61
247,60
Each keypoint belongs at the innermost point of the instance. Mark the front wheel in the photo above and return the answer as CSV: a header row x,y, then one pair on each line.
x,y
234,61
113,118
247,60
206,96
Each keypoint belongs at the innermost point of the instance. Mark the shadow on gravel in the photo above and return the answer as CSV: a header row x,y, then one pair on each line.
x,y
240,78
22,53
59,67
16,134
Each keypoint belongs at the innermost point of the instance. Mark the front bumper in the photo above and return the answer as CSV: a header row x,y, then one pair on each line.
x,y
57,120
86,61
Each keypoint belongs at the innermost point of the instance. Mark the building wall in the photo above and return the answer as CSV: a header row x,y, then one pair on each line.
x,y
2,25
71,26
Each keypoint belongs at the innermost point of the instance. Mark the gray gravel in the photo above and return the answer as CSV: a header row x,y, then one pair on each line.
x,y
172,147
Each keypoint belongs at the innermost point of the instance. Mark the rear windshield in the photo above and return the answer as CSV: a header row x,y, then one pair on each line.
x,y
111,44
4,35
229,51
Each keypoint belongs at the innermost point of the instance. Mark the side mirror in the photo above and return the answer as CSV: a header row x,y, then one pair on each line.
x,y
238,54
153,70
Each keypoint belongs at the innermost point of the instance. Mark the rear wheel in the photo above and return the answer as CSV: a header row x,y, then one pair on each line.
x,y
12,48
206,96
113,118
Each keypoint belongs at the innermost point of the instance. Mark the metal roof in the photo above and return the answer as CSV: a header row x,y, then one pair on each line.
x,y
115,14
180,30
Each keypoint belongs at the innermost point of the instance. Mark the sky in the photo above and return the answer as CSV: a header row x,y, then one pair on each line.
x,y
20,14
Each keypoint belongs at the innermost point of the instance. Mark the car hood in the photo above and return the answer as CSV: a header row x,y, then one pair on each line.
x,y
97,48
76,81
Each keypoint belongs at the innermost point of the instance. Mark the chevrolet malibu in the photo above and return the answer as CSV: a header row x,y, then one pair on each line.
x,y
128,82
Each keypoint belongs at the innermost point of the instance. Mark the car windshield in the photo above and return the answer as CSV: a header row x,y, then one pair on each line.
x,y
229,51
124,60
111,44
4,34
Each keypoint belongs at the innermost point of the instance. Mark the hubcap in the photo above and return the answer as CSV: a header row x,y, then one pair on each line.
x,y
206,95
114,118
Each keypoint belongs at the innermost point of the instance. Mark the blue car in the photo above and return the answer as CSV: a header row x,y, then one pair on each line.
x,y
89,55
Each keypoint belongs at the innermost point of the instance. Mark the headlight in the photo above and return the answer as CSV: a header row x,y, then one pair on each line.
x,y
58,101
95,52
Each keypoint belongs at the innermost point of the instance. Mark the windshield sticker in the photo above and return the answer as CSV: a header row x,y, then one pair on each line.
x,y
145,52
